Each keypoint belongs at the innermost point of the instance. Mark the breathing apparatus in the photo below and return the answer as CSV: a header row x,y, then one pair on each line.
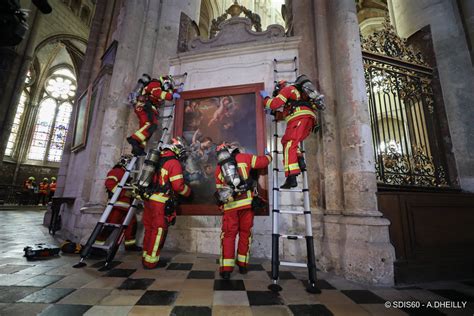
x,y
141,83
148,170
306,86
235,184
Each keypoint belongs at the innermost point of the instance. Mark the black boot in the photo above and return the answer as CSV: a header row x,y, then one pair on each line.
x,y
290,182
225,275
137,150
243,270
302,163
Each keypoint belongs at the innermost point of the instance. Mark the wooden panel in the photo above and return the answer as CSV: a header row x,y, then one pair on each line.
x,y
431,233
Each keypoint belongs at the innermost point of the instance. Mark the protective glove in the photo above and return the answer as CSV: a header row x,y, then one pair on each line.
x,y
264,94
132,97
176,95
180,88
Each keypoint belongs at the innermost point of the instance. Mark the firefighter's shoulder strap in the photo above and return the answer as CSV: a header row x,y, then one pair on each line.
x,y
161,162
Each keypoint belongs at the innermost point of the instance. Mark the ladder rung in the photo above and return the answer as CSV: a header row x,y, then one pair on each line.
x,y
292,237
291,190
112,225
283,71
284,60
293,264
105,247
292,212
166,117
135,171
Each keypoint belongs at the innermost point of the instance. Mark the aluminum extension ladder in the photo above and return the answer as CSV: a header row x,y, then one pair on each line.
x,y
277,210
117,234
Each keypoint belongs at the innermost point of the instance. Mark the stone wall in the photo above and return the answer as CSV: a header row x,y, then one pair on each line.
x,y
236,57
7,170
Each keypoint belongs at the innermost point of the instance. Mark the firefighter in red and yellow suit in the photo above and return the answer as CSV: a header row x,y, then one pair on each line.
x,y
237,214
156,217
52,188
146,106
121,207
300,120
43,191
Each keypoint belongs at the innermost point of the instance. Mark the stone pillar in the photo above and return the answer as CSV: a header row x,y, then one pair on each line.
x,y
304,26
333,194
455,71
169,29
356,241
117,112
357,158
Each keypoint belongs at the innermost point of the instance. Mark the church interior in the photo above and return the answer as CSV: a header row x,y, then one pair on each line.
x,y
237,157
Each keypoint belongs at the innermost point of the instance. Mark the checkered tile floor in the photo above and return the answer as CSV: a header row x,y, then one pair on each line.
x,y
189,285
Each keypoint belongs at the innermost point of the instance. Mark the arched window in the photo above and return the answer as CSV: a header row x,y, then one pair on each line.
x,y
53,118
16,124
24,99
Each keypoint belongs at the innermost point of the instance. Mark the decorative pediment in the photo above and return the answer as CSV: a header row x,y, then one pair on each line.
x,y
237,30
386,42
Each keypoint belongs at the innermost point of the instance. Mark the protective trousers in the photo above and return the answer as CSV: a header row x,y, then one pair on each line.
x,y
117,216
148,122
156,228
296,131
233,223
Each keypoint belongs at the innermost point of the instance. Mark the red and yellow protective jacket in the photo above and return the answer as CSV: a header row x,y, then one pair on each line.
x,y
43,188
111,183
284,98
171,176
52,187
245,163
155,93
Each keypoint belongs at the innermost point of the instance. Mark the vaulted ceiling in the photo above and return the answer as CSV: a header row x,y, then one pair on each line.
x,y
367,9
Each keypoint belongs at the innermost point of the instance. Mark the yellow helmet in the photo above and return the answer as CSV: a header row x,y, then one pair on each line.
x,y
53,178
45,179
32,178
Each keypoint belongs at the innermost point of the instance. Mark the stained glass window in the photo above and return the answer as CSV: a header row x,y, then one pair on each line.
x,y
54,113
42,131
60,132
16,125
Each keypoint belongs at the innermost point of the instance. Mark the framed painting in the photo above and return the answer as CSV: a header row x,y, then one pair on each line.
x,y
205,119
81,120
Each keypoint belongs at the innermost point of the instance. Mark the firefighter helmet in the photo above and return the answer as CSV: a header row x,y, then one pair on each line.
x,y
178,147
31,178
278,86
53,178
231,148
167,82
45,179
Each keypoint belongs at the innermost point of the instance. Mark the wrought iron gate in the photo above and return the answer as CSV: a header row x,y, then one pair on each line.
x,y
401,107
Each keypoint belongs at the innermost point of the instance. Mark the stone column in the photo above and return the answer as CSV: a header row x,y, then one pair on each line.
x,y
117,112
455,71
303,21
333,194
169,29
356,243
357,158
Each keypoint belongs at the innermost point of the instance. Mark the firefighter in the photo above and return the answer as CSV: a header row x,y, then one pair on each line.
x,y
160,201
43,191
121,207
235,195
150,94
28,191
52,188
299,111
